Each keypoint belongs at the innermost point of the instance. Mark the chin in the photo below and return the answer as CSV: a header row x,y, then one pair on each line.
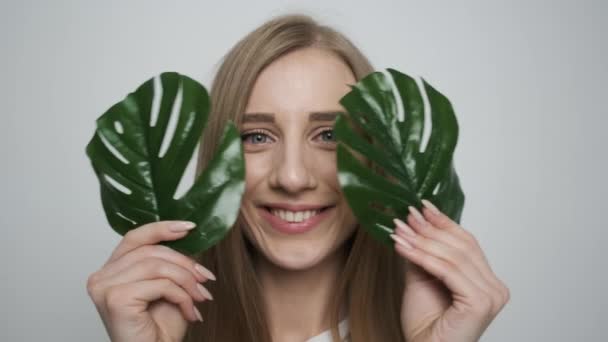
x,y
296,255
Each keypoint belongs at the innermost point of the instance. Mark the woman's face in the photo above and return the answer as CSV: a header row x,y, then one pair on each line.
x,y
294,210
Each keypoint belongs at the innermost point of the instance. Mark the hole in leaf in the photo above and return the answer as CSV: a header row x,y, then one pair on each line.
x,y
126,218
158,94
436,190
117,185
118,127
113,150
174,116
387,210
398,101
189,175
388,230
385,174
426,132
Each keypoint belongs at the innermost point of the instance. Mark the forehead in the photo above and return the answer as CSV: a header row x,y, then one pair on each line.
x,y
301,81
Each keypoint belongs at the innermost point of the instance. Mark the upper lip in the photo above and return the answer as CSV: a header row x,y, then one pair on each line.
x,y
295,207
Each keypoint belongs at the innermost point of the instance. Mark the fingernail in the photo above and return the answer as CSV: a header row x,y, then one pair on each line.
x,y
204,292
400,241
417,215
180,226
402,226
430,205
198,314
205,272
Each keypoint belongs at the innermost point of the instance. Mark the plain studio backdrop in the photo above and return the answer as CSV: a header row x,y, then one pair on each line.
x,y
527,80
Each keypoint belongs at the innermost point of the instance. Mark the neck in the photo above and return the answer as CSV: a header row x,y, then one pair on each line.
x,y
297,301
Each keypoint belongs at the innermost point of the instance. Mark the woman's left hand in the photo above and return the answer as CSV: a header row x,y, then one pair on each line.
x,y
450,294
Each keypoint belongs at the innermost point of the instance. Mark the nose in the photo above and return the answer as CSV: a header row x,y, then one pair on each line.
x,y
291,170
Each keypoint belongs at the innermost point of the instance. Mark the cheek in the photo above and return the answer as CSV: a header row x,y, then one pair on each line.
x,y
256,168
325,167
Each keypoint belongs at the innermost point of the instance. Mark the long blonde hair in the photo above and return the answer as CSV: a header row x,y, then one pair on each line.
x,y
371,282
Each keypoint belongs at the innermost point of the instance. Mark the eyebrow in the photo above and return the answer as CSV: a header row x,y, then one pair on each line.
x,y
313,116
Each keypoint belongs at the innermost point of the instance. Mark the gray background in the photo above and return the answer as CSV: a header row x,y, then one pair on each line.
x,y
527,80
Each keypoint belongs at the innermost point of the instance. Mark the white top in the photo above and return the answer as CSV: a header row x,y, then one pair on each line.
x,y
326,335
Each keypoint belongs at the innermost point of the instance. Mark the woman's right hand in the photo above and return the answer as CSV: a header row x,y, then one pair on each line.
x,y
145,291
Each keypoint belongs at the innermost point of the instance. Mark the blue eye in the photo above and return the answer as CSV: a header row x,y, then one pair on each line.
x,y
257,138
328,135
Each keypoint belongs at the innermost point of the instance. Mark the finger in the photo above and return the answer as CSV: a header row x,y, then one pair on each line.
x,y
162,252
155,268
420,225
444,222
454,280
463,240
420,222
131,299
438,219
151,234
460,260
428,230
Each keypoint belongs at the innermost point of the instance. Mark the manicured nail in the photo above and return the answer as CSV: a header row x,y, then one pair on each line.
x,y
205,272
180,226
400,241
402,226
198,314
204,292
417,215
430,205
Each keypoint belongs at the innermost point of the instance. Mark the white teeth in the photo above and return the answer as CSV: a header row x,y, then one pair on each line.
x,y
298,216
294,216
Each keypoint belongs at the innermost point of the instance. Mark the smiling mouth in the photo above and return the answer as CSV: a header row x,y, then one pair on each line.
x,y
295,216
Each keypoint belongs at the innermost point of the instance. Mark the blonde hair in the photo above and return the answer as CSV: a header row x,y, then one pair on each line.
x,y
371,282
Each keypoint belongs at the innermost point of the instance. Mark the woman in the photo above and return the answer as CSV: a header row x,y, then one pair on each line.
x,y
295,267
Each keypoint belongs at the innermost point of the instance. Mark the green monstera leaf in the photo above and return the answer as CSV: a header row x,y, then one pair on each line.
x,y
140,161
380,168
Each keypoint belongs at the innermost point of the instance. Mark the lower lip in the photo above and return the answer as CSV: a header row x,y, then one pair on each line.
x,y
294,227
